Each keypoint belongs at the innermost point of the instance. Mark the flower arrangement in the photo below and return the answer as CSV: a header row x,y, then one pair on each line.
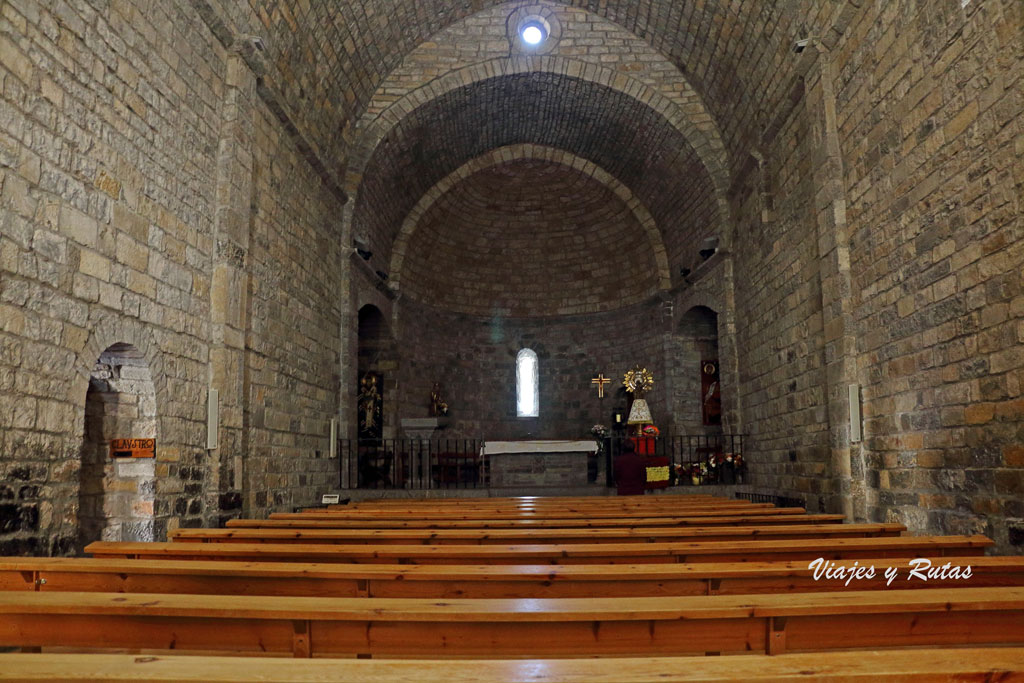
x,y
650,430
599,431
698,473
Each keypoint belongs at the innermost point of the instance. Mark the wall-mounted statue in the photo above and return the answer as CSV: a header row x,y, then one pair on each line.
x,y
438,407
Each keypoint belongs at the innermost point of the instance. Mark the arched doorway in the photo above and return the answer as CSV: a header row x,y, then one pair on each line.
x,y
377,367
697,399
117,494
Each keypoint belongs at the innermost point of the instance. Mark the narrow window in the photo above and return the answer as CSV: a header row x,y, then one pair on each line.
x,y
526,384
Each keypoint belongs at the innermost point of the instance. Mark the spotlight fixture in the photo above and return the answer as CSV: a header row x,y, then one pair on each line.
x,y
362,247
382,275
707,253
800,45
533,33
683,272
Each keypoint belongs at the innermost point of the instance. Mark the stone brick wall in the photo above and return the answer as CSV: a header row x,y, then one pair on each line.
x,y
107,135
292,360
779,329
931,122
111,128
530,238
473,357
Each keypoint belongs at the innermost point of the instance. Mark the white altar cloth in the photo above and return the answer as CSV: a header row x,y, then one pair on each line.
x,y
539,446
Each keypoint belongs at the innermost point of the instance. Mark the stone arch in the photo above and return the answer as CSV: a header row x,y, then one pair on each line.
x,y
377,357
115,344
540,152
696,342
117,496
708,149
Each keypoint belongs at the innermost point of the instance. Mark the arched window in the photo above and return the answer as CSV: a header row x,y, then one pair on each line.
x,y
527,392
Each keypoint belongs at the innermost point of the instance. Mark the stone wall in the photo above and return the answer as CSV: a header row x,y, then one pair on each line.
x,y
931,123
530,238
879,244
473,357
779,326
116,161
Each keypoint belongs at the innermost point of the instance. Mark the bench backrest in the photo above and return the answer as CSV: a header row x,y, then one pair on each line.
x,y
711,551
555,535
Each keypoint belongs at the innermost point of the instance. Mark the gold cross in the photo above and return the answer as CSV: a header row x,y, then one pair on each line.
x,y
600,381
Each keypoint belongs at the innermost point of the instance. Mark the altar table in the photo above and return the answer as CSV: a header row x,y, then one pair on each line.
x,y
538,462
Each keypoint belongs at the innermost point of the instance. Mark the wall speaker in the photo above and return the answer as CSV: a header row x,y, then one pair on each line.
x,y
212,420
855,423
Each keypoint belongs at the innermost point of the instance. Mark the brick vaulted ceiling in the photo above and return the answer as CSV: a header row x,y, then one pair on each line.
x,y
618,133
330,58
529,238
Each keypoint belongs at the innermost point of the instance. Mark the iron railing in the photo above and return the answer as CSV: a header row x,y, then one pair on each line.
x,y
778,501
413,463
459,463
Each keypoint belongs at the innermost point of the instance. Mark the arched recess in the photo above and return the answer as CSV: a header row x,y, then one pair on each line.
x,y
117,496
509,153
124,342
697,375
709,149
377,374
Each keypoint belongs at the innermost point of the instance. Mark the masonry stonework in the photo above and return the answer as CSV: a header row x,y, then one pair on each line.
x,y
835,187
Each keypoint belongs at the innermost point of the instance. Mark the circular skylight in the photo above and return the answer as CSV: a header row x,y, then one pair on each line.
x,y
533,34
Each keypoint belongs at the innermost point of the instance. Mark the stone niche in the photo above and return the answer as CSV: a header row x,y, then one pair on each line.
x,y
117,495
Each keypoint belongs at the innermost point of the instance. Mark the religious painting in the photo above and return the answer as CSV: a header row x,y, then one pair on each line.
x,y
371,406
710,392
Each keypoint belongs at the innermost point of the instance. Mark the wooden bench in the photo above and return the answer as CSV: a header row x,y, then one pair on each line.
x,y
595,516
906,666
549,535
497,581
304,627
564,512
335,522
618,553
604,503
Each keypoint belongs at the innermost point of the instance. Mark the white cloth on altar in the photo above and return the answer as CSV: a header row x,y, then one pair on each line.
x,y
552,446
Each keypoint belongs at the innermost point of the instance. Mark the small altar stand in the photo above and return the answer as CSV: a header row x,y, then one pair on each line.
x,y
538,463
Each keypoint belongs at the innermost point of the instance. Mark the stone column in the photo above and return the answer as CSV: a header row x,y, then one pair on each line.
x,y
836,290
229,290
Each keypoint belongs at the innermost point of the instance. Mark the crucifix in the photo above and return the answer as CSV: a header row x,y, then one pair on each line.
x,y
600,381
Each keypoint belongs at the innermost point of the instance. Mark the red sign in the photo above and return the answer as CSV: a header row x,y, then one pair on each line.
x,y
133,448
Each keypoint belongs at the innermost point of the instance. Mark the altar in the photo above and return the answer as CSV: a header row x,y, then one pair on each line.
x,y
538,463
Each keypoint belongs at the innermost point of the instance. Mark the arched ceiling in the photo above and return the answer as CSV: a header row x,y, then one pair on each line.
x,y
330,57
615,131
529,238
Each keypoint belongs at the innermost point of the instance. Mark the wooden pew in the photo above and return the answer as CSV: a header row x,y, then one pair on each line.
x,y
493,536
304,627
336,522
564,513
618,553
673,503
446,517
905,666
497,581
